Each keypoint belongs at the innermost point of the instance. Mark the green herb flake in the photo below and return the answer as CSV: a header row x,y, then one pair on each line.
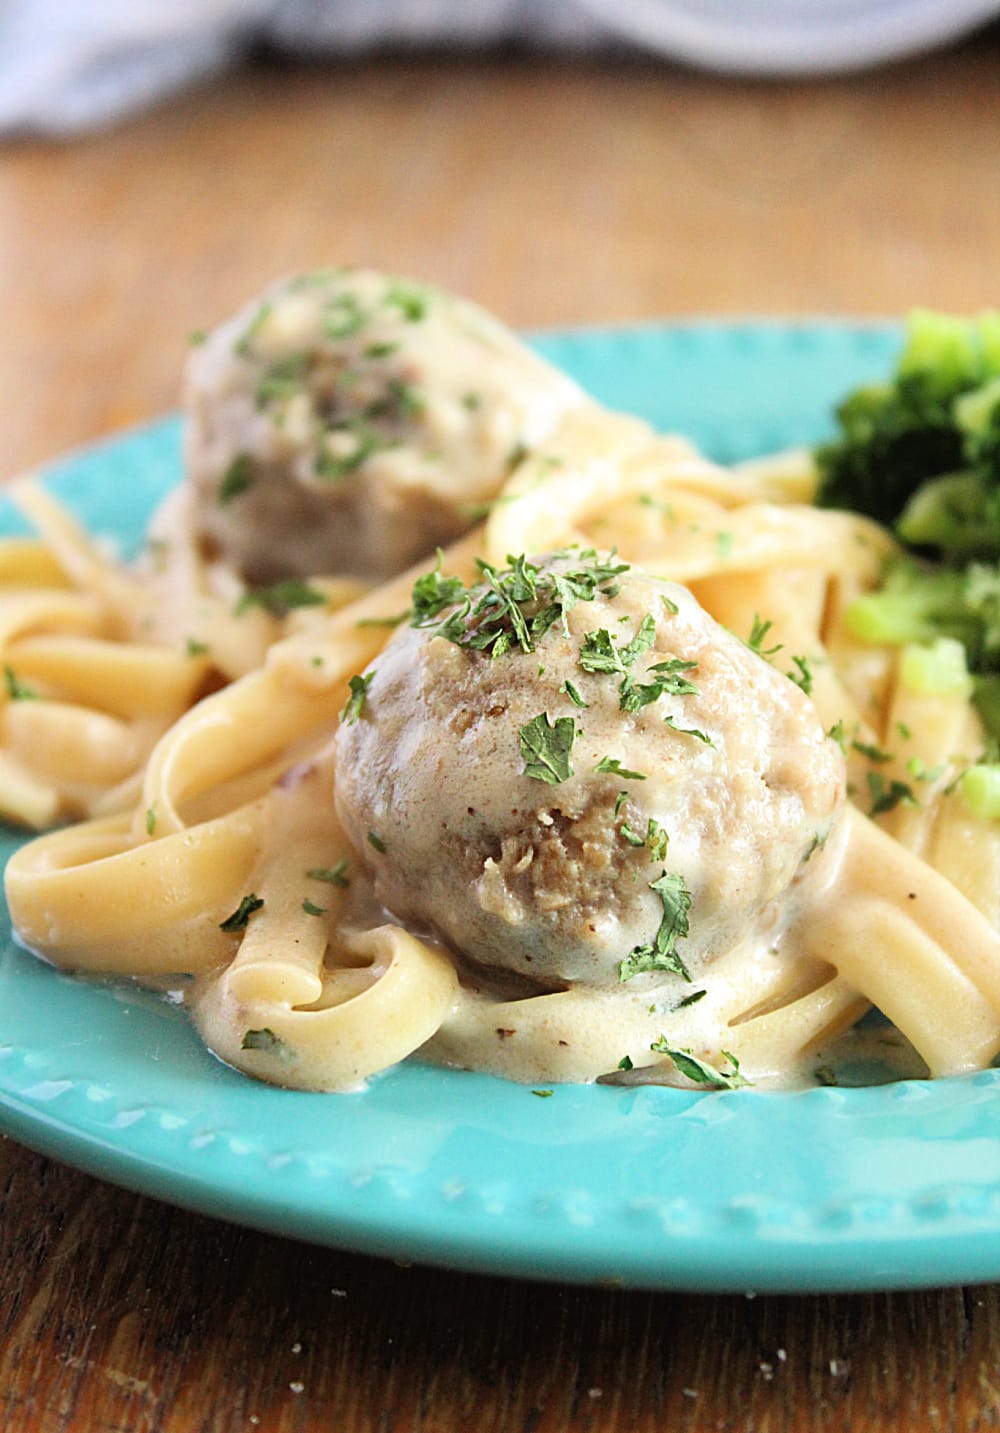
x,y
691,999
281,597
331,875
331,467
472,402
355,702
872,752
380,350
238,477
197,337
904,731
662,953
311,909
405,399
16,690
376,842
619,803
244,344
670,606
194,647
343,317
657,841
241,915
668,680
886,796
432,592
543,1094
282,380
689,731
836,733
150,819
573,693
611,766
411,303
758,634
625,1063
724,544
699,1071
802,676
545,748
265,1040
632,837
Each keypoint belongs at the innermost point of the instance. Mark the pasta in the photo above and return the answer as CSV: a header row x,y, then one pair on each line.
x,y
726,915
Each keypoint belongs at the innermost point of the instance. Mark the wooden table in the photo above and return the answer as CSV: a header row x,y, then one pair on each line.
x,y
554,194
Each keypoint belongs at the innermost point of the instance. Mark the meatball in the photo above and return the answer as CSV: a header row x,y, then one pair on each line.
x,y
575,775
350,422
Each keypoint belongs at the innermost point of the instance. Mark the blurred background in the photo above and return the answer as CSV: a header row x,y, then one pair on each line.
x,y
561,161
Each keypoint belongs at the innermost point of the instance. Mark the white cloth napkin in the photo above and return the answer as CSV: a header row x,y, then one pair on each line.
x,y
68,65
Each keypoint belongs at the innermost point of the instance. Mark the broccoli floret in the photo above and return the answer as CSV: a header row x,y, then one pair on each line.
x,y
936,420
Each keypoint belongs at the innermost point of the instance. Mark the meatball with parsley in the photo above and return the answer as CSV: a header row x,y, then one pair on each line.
x,y
350,422
572,774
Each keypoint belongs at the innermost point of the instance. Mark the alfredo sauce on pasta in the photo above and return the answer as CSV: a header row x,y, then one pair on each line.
x,y
603,788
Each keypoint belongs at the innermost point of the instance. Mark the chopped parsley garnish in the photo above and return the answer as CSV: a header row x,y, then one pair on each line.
x,y
611,766
509,607
573,693
405,399
343,316
472,402
668,680
311,909
689,731
836,733
282,380
674,926
691,999
625,1063
432,593
657,840
886,796
411,303
872,752
332,466
265,1040
545,748
246,908
237,478
194,647
16,689
150,819
803,677
245,343
543,1094
598,652
380,350
632,837
724,544
332,875
758,633
700,1071
355,702
620,802
376,842
281,597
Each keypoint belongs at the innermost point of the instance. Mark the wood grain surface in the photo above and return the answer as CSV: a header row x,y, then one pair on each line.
x,y
554,194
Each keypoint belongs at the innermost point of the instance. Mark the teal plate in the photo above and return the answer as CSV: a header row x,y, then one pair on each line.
x,y
818,1190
